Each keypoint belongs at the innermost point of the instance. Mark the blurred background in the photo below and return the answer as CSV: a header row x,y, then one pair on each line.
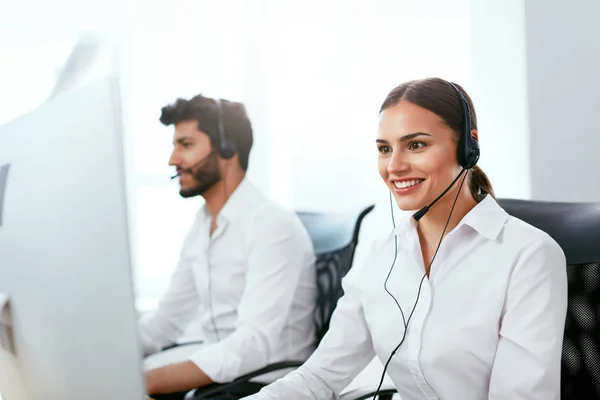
x,y
313,75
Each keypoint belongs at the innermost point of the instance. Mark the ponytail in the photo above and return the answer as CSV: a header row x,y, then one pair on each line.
x,y
480,185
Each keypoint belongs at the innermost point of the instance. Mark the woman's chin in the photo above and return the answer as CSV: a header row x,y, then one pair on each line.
x,y
410,202
409,205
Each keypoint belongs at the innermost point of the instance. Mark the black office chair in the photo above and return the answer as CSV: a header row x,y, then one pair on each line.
x,y
576,228
334,237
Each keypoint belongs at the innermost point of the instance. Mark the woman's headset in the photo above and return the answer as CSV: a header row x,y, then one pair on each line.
x,y
468,147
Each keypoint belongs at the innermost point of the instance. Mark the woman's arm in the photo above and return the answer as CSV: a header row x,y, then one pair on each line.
x,y
528,358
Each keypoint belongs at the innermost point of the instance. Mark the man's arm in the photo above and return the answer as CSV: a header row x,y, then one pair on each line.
x,y
177,377
278,255
528,358
175,309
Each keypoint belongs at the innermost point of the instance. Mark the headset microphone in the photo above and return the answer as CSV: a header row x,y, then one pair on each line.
x,y
193,167
419,214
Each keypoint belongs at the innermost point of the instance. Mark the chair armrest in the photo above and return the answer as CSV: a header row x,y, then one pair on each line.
x,y
219,387
368,392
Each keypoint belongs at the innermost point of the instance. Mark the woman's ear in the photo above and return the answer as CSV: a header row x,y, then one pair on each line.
x,y
475,134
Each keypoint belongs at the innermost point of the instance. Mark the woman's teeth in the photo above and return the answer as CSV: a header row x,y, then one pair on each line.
x,y
406,184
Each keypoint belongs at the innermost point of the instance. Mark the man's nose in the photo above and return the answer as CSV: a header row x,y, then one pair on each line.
x,y
174,159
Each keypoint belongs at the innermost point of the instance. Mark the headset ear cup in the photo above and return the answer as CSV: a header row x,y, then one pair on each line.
x,y
473,158
472,153
227,150
468,151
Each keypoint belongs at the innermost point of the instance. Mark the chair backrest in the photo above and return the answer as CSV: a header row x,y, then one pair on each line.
x,y
334,237
576,228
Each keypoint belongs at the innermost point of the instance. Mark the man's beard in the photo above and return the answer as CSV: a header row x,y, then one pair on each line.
x,y
205,178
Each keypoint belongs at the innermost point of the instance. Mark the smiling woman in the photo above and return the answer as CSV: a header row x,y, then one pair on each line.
x,y
494,303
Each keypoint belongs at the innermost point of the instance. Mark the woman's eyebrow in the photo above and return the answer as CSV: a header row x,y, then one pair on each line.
x,y
405,137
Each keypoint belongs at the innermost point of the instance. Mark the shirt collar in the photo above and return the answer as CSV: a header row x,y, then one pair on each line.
x,y
234,206
405,224
487,218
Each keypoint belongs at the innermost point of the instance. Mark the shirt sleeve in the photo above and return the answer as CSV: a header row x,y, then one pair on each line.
x,y
528,357
345,350
174,310
279,253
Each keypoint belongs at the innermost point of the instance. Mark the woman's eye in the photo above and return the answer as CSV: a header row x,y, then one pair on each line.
x,y
416,145
385,149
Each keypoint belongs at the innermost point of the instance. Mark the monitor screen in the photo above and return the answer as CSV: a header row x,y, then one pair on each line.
x,y
64,250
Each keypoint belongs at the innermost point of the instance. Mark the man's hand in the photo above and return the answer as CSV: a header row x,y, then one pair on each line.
x,y
177,377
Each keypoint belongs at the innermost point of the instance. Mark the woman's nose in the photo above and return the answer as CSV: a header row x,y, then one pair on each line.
x,y
398,163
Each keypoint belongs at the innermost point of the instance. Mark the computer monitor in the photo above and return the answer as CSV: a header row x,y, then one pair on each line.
x,y
64,251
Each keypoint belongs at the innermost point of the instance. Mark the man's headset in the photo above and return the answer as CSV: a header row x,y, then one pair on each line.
x,y
468,155
227,148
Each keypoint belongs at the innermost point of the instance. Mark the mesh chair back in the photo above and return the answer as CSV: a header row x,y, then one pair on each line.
x,y
334,237
576,228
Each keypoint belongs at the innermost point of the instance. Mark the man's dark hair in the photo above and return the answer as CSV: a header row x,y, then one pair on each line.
x,y
236,123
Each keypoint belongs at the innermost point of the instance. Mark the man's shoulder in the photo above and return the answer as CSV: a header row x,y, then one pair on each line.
x,y
263,208
270,214
266,218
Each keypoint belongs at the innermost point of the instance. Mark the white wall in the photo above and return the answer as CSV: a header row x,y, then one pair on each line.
x,y
500,94
563,66
536,87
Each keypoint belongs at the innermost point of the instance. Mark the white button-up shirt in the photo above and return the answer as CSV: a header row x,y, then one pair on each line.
x,y
251,284
488,324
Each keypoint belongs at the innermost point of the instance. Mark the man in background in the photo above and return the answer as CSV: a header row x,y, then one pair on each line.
x,y
246,272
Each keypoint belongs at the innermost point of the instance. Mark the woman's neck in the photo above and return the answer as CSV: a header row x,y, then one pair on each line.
x,y
432,225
